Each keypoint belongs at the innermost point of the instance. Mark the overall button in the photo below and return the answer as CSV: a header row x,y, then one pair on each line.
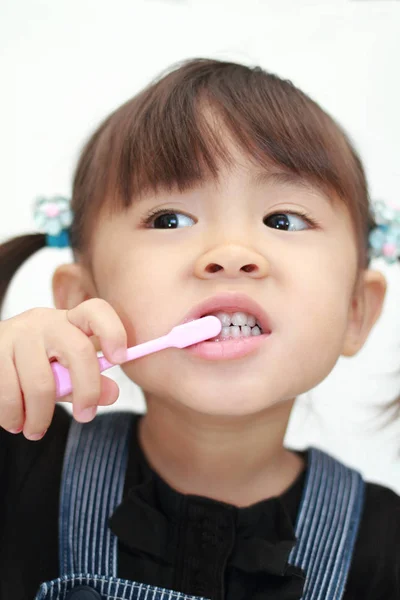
x,y
83,592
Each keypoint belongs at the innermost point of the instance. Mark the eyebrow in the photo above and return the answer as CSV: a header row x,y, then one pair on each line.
x,y
265,177
289,179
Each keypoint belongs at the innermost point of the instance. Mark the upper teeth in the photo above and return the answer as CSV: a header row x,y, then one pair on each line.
x,y
237,319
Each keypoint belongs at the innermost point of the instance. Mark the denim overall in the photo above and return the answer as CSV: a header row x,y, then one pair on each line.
x,y
92,487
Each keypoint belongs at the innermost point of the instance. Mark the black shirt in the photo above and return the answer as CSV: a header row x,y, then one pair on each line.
x,y
188,543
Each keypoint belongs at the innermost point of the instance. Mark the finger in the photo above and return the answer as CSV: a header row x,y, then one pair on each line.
x,y
108,395
97,317
109,391
11,401
75,351
37,385
96,343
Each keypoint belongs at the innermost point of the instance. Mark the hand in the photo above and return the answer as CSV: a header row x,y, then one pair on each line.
x,y
27,344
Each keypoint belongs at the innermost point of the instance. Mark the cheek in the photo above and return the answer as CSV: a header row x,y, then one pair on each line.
x,y
327,275
322,297
141,290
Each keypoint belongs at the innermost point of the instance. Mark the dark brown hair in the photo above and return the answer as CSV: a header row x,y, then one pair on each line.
x,y
172,135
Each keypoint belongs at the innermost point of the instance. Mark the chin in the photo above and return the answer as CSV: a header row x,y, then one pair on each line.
x,y
223,410
226,391
228,399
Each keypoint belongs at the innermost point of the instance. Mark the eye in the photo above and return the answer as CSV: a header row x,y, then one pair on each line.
x,y
169,220
287,221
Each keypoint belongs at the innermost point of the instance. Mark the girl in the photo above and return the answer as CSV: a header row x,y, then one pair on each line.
x,y
221,190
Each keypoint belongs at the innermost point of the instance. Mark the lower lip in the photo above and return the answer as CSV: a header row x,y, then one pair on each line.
x,y
228,349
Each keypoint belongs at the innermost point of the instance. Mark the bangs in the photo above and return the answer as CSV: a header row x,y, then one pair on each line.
x,y
174,135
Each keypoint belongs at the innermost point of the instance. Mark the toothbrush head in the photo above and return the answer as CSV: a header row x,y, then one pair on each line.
x,y
194,332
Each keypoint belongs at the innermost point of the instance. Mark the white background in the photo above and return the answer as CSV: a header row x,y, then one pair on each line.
x,y
65,64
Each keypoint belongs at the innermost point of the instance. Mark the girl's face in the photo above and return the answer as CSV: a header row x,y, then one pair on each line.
x,y
170,252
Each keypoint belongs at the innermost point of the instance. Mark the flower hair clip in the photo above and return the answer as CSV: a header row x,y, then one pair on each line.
x,y
53,217
384,239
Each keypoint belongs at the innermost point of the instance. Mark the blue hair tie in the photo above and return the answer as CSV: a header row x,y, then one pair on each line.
x,y
384,239
53,217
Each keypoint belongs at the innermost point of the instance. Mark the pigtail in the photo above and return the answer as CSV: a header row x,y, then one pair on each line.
x,y
13,254
53,216
395,404
384,243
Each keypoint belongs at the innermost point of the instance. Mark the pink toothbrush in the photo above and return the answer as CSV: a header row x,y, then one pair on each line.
x,y
179,337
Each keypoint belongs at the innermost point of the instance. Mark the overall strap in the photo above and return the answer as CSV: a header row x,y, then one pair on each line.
x,y
327,526
92,486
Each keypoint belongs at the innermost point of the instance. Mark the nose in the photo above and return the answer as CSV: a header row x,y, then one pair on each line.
x,y
231,261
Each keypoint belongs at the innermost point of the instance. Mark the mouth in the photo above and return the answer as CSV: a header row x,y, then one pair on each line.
x,y
239,314
244,326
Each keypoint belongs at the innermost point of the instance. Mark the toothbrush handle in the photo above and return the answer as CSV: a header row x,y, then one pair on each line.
x,y
62,379
62,376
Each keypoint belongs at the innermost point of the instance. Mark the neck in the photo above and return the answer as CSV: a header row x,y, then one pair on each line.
x,y
237,460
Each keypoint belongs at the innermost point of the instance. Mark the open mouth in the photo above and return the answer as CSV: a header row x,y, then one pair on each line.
x,y
245,327
236,325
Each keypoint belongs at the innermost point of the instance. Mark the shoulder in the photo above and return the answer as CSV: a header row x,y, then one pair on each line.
x,y
381,517
380,521
56,433
382,505
20,456
377,549
23,463
375,566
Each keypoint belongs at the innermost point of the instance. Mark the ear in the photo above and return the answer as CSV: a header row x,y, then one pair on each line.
x,y
365,309
72,284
